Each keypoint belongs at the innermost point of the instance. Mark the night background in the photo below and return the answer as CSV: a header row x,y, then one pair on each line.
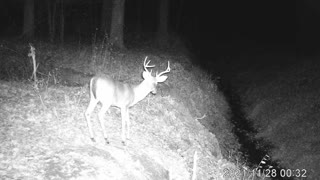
x,y
241,99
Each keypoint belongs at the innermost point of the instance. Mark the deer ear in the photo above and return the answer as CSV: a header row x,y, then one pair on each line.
x,y
162,78
145,74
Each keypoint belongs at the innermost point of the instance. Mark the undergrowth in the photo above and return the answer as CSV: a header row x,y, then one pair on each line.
x,y
187,84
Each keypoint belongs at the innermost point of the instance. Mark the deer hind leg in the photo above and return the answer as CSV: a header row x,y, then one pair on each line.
x,y
90,108
102,112
124,122
128,124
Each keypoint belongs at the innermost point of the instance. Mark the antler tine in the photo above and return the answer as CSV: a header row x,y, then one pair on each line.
x,y
146,65
166,71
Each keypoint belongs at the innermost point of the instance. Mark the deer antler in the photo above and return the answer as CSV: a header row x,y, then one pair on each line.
x,y
146,65
166,71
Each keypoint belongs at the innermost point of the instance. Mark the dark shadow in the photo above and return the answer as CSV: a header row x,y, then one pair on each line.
x,y
253,149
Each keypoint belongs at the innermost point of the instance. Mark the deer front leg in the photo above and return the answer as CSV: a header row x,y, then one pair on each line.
x,y
102,112
124,112
87,114
128,124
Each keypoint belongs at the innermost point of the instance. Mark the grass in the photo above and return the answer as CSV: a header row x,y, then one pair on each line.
x,y
45,135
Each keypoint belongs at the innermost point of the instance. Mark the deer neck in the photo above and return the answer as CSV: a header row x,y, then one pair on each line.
x,y
140,91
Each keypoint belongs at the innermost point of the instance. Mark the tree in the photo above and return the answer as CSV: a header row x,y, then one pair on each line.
x,y
106,16
56,21
179,15
117,23
28,19
61,21
163,35
139,16
52,9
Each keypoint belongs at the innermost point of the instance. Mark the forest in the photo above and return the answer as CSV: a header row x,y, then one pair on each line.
x,y
138,89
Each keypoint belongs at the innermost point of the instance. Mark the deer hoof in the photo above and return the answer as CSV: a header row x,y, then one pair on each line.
x,y
93,140
106,140
123,143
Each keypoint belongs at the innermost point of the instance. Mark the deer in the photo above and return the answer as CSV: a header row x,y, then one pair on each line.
x,y
110,92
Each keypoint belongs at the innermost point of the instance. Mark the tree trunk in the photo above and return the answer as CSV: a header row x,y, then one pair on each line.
x,y
117,22
163,36
62,21
139,17
179,15
51,18
28,19
105,16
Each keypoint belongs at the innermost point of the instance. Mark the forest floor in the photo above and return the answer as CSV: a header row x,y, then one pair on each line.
x,y
181,132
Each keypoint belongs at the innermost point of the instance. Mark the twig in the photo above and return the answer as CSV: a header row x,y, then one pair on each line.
x,y
194,169
201,117
170,176
42,101
32,54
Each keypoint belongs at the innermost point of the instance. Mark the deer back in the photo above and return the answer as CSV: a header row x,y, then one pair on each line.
x,y
112,92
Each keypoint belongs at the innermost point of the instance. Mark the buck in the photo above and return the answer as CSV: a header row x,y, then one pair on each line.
x,y
110,92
